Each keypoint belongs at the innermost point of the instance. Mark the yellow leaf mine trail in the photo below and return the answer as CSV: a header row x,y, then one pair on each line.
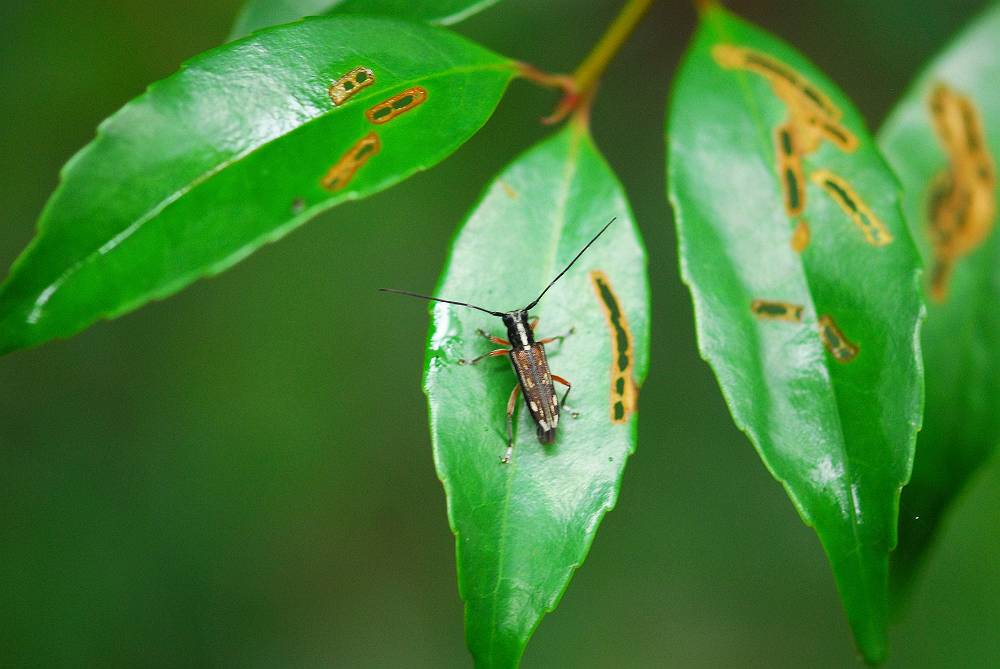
x,y
962,204
812,118
624,393
851,203
354,159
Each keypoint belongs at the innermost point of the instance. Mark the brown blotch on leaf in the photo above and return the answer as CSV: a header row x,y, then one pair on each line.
x,y
842,349
773,310
962,203
353,159
398,104
347,86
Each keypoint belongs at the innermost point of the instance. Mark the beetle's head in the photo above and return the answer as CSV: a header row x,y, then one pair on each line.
x,y
512,318
518,329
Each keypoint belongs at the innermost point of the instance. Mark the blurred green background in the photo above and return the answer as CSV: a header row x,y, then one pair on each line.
x,y
203,483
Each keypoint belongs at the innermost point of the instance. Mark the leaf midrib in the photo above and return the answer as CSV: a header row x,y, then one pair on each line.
x,y
569,173
757,119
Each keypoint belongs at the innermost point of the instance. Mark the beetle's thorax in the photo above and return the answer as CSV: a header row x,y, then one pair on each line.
x,y
518,329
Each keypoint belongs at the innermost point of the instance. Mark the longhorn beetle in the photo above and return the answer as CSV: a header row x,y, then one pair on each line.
x,y
527,357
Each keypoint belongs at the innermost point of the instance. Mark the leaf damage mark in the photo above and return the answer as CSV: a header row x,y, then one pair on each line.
x,y
398,104
801,236
851,203
842,349
354,159
772,310
812,117
790,168
347,86
508,189
834,133
788,84
624,392
962,204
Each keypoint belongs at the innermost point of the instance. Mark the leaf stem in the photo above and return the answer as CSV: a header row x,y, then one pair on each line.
x,y
703,6
590,70
578,88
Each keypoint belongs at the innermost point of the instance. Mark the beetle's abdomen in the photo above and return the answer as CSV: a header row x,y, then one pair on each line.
x,y
532,369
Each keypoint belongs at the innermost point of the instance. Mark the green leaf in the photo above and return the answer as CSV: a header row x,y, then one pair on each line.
x,y
961,339
257,14
523,528
837,432
235,151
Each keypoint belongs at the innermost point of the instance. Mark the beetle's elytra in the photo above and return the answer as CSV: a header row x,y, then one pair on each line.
x,y
527,357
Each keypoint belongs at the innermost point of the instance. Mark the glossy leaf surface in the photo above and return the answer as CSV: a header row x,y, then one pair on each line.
x,y
523,528
258,14
961,339
237,149
837,432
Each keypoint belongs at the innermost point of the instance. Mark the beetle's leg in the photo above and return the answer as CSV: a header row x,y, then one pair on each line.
x,y
499,351
549,340
511,405
495,340
569,387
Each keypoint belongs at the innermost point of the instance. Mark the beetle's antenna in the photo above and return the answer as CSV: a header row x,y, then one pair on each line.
x,y
438,299
537,299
